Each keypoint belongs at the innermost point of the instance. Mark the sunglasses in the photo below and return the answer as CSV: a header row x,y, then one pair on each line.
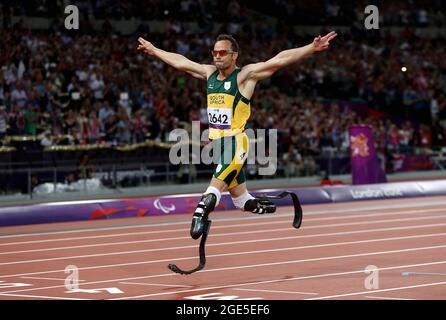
x,y
221,53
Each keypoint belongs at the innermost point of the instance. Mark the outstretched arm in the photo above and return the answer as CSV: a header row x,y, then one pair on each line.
x,y
200,71
263,70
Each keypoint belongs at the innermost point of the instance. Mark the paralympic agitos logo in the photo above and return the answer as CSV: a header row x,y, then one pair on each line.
x,y
157,203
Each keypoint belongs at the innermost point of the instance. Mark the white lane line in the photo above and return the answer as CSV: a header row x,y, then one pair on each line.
x,y
67,203
115,253
194,257
277,221
380,290
281,263
187,238
157,284
423,274
387,298
306,212
276,291
273,281
226,226
39,297
39,278
214,235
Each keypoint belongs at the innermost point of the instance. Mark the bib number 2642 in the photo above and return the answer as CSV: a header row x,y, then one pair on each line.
x,y
219,116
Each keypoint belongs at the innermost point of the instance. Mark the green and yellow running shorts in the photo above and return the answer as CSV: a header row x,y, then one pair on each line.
x,y
232,157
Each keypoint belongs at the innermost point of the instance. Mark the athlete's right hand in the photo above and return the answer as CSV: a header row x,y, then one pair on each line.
x,y
145,46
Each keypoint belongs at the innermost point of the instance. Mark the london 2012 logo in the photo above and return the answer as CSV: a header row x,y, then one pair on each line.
x,y
359,145
163,208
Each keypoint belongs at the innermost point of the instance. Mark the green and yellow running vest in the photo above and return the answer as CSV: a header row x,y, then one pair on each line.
x,y
228,111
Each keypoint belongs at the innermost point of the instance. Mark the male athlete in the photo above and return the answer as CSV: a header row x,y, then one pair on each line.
x,y
229,91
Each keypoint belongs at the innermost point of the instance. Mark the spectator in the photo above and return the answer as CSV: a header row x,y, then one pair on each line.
x,y
111,129
70,122
4,119
140,123
30,117
124,135
425,137
16,121
86,168
19,95
293,162
56,122
105,111
405,137
394,139
47,140
94,128
83,125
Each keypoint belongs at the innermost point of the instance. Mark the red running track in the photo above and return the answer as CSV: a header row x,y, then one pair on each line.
x,y
248,256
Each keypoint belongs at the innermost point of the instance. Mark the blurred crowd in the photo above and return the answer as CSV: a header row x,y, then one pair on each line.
x,y
96,88
422,13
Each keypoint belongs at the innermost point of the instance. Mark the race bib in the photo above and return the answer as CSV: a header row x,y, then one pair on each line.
x,y
220,118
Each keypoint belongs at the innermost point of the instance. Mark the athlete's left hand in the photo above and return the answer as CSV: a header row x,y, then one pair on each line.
x,y
322,43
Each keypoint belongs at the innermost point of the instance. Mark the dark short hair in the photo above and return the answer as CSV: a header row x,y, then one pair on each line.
x,y
228,37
